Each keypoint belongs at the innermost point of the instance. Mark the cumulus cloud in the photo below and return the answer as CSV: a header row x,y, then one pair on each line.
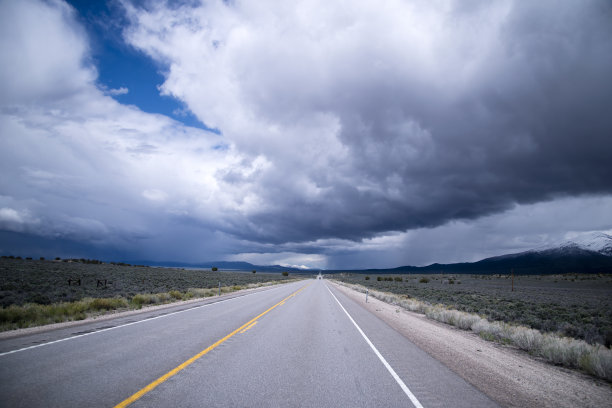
x,y
44,56
349,135
388,117
76,164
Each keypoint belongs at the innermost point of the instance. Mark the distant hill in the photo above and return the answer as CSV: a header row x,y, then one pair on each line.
x,y
227,265
588,253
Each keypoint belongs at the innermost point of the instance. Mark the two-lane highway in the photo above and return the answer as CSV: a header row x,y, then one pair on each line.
x,y
300,344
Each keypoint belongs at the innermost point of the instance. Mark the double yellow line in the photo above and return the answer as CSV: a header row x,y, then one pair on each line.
x,y
176,370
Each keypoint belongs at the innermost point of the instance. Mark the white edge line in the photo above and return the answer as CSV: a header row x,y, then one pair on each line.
x,y
401,383
129,324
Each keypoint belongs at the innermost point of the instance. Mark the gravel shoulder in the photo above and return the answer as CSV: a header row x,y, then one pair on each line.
x,y
507,375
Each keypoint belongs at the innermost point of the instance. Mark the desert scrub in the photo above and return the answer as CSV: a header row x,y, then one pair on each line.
x,y
176,294
31,314
581,309
106,303
47,281
142,299
593,359
201,292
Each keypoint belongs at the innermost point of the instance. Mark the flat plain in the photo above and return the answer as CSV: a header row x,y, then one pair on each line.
x,y
37,292
34,281
573,305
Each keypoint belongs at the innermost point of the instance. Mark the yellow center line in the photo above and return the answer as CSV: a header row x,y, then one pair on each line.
x,y
248,327
179,368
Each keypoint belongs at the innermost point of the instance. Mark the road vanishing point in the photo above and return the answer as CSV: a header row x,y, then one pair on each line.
x,y
303,344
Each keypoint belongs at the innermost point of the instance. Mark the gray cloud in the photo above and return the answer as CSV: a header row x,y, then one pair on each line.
x,y
346,133
422,116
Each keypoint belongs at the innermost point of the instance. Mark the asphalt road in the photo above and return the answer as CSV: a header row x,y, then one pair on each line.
x,y
297,345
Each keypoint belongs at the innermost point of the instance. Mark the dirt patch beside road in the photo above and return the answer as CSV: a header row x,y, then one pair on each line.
x,y
505,374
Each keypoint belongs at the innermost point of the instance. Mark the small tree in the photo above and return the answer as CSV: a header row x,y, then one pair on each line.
x,y
214,269
367,278
285,273
254,271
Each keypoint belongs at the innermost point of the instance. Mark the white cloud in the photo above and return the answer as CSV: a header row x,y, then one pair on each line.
x,y
81,164
287,259
119,91
10,215
16,220
43,54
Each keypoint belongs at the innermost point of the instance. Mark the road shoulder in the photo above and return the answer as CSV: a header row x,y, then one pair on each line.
x,y
510,377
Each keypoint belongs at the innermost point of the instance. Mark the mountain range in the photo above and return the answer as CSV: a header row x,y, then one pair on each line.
x,y
221,265
586,253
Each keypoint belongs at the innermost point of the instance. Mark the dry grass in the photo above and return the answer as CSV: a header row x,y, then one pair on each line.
x,y
32,314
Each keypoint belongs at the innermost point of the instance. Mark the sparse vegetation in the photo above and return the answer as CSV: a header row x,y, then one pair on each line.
x,y
593,359
580,309
424,280
35,292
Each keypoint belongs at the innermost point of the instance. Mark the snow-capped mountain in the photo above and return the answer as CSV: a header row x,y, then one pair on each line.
x,y
592,241
588,253
585,253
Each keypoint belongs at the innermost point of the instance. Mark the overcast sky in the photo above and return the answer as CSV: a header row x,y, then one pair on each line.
x,y
332,134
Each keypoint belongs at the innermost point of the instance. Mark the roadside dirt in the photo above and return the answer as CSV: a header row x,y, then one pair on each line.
x,y
507,375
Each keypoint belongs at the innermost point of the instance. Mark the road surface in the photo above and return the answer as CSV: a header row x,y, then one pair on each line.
x,y
303,344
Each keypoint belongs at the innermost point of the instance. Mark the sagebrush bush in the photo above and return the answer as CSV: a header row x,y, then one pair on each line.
x,y
527,339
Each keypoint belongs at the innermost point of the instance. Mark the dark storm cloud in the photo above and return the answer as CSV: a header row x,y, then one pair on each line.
x,y
426,113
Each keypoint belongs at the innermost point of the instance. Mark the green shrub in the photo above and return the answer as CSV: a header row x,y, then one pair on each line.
x,y
214,269
285,273
176,294
424,280
367,278
399,279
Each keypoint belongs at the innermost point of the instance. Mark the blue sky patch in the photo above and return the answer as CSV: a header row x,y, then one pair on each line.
x,y
122,68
